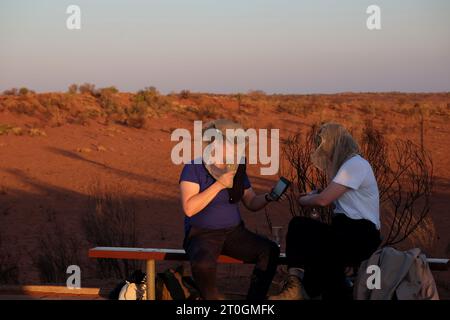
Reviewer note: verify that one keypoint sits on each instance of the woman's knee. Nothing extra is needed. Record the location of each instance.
(201, 257)
(203, 265)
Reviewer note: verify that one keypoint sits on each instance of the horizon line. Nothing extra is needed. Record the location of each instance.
(247, 92)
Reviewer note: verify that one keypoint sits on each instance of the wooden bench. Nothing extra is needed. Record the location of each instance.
(153, 254)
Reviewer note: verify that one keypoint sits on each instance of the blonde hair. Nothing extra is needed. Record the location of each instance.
(334, 145)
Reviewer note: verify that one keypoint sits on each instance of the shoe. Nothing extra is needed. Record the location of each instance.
(292, 290)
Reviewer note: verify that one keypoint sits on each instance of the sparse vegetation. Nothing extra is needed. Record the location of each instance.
(206, 111)
(112, 106)
(18, 131)
(109, 102)
(57, 249)
(147, 103)
(9, 265)
(5, 128)
(11, 92)
(73, 89)
(110, 220)
(185, 94)
(111, 90)
(24, 91)
(36, 132)
(87, 88)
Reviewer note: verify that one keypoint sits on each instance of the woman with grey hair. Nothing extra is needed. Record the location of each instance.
(211, 191)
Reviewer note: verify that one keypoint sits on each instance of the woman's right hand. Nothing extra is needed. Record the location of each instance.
(226, 180)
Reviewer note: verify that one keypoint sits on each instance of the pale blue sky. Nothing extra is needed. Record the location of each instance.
(314, 46)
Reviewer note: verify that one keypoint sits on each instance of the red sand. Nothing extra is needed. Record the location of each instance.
(45, 175)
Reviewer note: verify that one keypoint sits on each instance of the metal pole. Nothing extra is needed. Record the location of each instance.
(151, 275)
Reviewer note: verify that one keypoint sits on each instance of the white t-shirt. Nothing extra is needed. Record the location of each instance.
(362, 201)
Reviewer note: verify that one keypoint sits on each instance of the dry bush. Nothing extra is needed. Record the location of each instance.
(9, 266)
(28, 106)
(36, 132)
(108, 100)
(87, 88)
(404, 172)
(136, 119)
(110, 221)
(57, 249)
(368, 110)
(18, 131)
(146, 103)
(56, 108)
(5, 129)
(83, 117)
(297, 166)
(423, 236)
(53, 102)
(184, 94)
(110, 89)
(207, 111)
(72, 89)
(25, 91)
(407, 194)
(11, 92)
(256, 94)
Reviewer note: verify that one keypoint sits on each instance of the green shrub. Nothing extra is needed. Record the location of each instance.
(24, 91)
(146, 103)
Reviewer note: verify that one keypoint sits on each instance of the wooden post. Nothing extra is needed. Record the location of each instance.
(151, 277)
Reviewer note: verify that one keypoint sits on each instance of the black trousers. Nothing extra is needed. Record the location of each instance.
(324, 251)
(204, 246)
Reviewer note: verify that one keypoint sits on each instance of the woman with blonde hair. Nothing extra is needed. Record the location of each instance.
(318, 253)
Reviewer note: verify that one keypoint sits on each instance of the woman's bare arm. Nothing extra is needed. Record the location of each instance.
(193, 201)
(332, 192)
(252, 201)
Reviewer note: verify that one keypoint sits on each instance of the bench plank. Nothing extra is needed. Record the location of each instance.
(148, 254)
(180, 255)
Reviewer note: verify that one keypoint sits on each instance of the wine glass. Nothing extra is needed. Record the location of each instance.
(276, 235)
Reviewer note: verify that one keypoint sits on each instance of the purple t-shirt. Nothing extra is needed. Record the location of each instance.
(219, 213)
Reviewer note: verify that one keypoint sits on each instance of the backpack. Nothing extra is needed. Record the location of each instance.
(170, 285)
